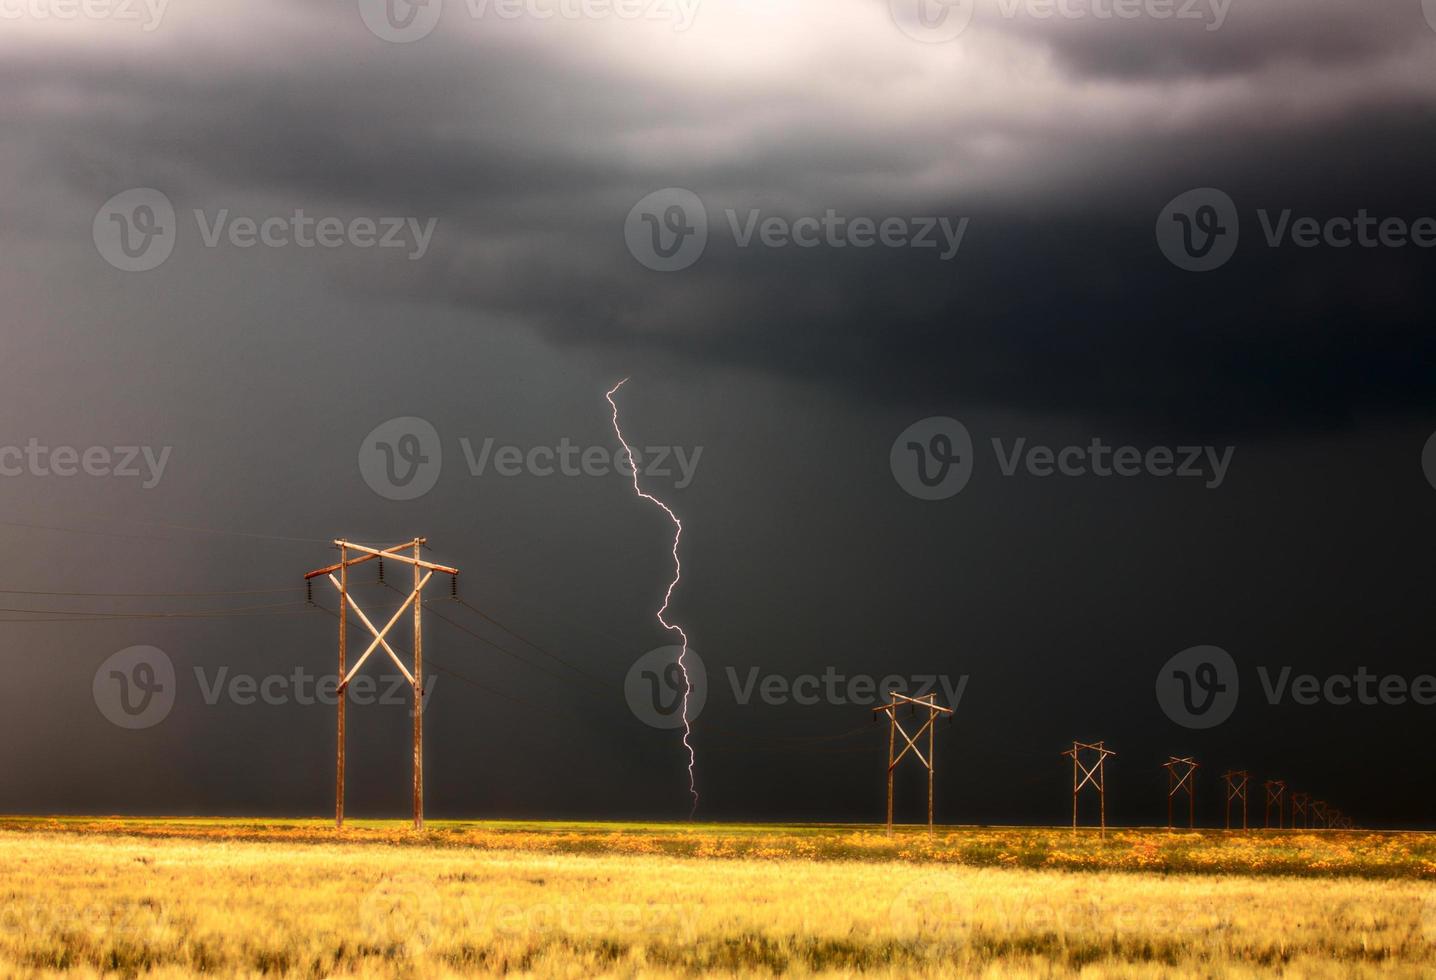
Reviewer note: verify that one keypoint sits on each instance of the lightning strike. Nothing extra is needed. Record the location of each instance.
(668, 596)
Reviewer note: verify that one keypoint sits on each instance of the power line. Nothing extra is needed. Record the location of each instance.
(193, 529)
(149, 615)
(448, 670)
(523, 639)
(44, 616)
(149, 595)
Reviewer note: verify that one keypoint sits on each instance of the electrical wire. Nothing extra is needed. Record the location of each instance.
(149, 595)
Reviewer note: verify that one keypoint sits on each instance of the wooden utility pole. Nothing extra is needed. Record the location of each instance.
(1275, 797)
(1318, 810)
(423, 572)
(1094, 774)
(1301, 806)
(342, 701)
(419, 685)
(1237, 780)
(926, 702)
(1182, 777)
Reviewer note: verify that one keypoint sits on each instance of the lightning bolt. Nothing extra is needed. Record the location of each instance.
(668, 596)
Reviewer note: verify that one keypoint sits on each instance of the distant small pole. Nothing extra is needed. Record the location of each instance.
(1182, 777)
(1275, 797)
(1236, 790)
(934, 710)
(1318, 809)
(1301, 807)
(1093, 774)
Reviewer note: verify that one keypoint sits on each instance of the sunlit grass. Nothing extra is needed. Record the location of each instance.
(288, 899)
(1258, 852)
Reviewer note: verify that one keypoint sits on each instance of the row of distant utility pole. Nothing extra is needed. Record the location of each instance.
(1089, 769)
(1182, 778)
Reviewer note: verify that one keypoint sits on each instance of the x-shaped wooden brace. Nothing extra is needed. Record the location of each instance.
(909, 739)
(1236, 785)
(379, 635)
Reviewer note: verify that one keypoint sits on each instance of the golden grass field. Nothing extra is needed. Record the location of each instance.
(245, 898)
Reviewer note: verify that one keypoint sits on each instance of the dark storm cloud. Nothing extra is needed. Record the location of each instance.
(531, 152)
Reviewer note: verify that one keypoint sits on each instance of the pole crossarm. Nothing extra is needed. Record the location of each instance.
(369, 554)
(920, 702)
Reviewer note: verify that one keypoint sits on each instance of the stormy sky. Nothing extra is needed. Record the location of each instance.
(507, 153)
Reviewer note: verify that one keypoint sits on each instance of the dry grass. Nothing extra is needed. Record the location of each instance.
(179, 904)
(1368, 854)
